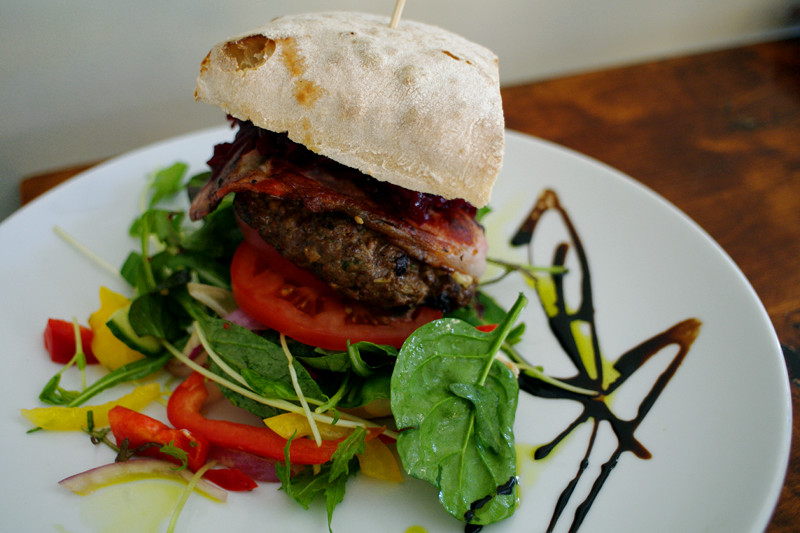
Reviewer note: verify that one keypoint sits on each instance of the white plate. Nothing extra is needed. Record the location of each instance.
(719, 434)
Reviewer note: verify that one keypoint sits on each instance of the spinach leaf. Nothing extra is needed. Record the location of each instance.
(361, 391)
(326, 360)
(364, 358)
(484, 402)
(361, 374)
(160, 314)
(208, 269)
(218, 236)
(262, 363)
(368, 359)
(455, 405)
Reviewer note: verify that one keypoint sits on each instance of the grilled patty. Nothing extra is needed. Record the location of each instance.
(355, 261)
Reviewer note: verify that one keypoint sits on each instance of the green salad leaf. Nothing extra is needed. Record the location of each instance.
(260, 362)
(133, 371)
(354, 377)
(485, 310)
(363, 358)
(173, 253)
(455, 403)
(167, 182)
(331, 478)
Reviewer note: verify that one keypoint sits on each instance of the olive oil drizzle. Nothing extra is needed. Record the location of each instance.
(592, 371)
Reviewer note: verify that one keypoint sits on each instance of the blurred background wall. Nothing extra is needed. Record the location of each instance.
(82, 80)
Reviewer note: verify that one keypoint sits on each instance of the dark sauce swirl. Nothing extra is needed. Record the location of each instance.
(595, 409)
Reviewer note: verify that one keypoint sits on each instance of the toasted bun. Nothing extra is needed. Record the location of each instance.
(414, 105)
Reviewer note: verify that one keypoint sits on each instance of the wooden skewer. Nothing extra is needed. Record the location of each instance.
(398, 10)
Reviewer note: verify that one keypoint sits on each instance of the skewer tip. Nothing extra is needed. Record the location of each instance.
(398, 11)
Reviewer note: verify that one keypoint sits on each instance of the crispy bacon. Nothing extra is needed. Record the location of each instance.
(446, 238)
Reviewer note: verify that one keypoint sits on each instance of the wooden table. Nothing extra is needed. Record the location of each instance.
(716, 134)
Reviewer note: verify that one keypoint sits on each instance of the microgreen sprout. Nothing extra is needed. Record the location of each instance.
(299, 391)
(84, 250)
(98, 435)
(246, 391)
(52, 392)
(529, 272)
(186, 493)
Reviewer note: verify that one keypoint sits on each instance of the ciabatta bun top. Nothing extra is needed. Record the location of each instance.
(414, 105)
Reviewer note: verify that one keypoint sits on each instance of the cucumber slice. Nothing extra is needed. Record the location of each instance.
(120, 326)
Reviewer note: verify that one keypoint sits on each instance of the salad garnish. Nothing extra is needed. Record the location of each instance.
(452, 386)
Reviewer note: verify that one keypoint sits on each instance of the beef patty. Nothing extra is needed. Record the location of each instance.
(355, 261)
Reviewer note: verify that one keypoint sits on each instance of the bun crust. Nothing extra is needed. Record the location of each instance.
(415, 105)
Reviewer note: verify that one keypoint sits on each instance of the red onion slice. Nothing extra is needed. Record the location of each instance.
(124, 471)
(241, 318)
(255, 467)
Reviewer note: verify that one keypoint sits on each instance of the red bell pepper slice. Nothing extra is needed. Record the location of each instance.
(231, 479)
(59, 340)
(184, 411)
(140, 429)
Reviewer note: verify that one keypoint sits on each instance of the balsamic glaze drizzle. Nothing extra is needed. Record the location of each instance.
(502, 490)
(595, 408)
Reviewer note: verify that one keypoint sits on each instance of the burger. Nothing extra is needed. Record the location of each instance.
(361, 157)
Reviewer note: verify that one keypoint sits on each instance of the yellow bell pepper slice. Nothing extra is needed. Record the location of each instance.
(379, 462)
(288, 424)
(61, 418)
(107, 348)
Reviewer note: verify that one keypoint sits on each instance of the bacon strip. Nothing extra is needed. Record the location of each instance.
(455, 242)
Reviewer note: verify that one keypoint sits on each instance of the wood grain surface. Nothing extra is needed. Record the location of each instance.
(716, 134)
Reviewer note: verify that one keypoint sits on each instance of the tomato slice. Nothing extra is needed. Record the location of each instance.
(288, 299)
